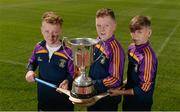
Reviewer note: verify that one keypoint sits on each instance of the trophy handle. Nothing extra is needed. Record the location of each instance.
(64, 41)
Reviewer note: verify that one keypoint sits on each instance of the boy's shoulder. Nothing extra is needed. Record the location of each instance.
(148, 51)
(132, 52)
(41, 43)
(115, 44)
(66, 50)
(40, 46)
(139, 53)
(131, 46)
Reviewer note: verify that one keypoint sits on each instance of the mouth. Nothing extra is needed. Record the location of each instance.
(103, 34)
(133, 39)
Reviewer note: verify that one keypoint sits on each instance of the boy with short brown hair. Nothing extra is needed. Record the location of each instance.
(142, 68)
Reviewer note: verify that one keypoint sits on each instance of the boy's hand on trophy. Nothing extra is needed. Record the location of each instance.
(64, 84)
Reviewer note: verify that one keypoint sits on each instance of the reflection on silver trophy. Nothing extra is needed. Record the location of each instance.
(82, 50)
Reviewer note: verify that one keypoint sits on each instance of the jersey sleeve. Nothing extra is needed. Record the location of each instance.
(70, 68)
(147, 69)
(116, 67)
(32, 64)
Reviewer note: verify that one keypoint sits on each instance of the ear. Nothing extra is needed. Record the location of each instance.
(41, 28)
(115, 25)
(150, 32)
(131, 34)
(61, 31)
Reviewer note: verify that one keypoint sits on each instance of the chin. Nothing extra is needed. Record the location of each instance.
(104, 38)
(50, 43)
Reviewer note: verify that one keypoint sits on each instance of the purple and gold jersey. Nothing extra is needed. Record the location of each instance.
(54, 70)
(142, 68)
(107, 71)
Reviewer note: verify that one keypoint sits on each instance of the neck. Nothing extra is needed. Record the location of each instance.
(140, 43)
(58, 43)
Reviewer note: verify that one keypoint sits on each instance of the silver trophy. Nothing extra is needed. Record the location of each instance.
(82, 50)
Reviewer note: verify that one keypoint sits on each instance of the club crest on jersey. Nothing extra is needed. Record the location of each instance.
(62, 63)
(39, 59)
(103, 59)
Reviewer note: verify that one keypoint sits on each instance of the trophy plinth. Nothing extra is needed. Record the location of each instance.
(83, 87)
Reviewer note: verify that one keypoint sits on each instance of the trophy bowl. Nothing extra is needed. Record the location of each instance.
(82, 50)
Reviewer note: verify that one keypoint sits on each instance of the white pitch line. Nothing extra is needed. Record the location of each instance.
(167, 39)
(13, 62)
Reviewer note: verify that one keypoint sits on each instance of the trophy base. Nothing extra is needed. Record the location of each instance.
(82, 96)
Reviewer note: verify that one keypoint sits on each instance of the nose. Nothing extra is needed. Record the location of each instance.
(102, 29)
(51, 34)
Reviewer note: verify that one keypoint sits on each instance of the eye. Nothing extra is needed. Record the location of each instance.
(55, 33)
(139, 31)
(98, 25)
(46, 31)
(107, 25)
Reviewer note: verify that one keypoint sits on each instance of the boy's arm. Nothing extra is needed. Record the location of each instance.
(116, 68)
(147, 74)
(70, 67)
(117, 92)
(32, 64)
(31, 67)
(121, 90)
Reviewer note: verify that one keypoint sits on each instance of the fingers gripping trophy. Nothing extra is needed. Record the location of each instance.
(83, 92)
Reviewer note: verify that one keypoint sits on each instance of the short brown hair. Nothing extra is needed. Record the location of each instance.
(52, 18)
(138, 22)
(105, 12)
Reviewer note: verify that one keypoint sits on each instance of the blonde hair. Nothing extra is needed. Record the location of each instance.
(105, 12)
(52, 18)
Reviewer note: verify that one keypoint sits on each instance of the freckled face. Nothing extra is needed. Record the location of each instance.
(105, 27)
(50, 32)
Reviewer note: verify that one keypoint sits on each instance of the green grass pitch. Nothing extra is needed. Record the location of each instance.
(20, 31)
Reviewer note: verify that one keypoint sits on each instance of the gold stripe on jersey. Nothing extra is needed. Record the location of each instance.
(42, 51)
(116, 59)
(134, 56)
(101, 49)
(60, 54)
(147, 69)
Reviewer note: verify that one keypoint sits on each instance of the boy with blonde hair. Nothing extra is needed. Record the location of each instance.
(54, 66)
(107, 71)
